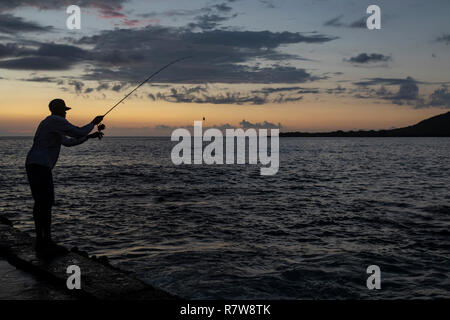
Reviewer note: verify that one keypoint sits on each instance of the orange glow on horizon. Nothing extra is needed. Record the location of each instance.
(22, 113)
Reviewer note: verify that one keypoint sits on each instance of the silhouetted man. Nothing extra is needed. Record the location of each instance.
(52, 132)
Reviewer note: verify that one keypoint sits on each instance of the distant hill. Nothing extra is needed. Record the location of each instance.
(438, 126)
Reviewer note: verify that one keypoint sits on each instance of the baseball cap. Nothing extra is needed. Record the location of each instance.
(57, 105)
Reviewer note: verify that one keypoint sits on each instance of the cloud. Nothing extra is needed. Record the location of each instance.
(409, 95)
(47, 56)
(223, 7)
(61, 51)
(264, 125)
(37, 63)
(406, 94)
(268, 90)
(118, 86)
(206, 18)
(255, 39)
(13, 25)
(233, 98)
(10, 50)
(107, 8)
(364, 58)
(282, 98)
(188, 95)
(285, 94)
(209, 21)
(306, 91)
(201, 95)
(172, 13)
(440, 98)
(386, 81)
(337, 22)
(268, 3)
(334, 22)
(220, 8)
(78, 85)
(360, 23)
(284, 90)
(218, 55)
(41, 79)
(129, 55)
(102, 86)
(337, 90)
(444, 38)
(407, 91)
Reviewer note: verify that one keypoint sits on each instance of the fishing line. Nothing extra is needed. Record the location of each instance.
(101, 127)
(154, 74)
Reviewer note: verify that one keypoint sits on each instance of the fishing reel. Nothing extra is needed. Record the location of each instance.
(100, 128)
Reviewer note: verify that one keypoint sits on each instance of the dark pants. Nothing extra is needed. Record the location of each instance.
(41, 182)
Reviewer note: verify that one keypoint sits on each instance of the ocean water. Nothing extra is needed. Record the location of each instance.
(336, 206)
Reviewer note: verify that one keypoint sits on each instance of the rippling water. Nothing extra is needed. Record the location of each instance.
(336, 206)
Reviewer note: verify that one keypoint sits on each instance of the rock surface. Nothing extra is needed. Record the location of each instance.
(98, 279)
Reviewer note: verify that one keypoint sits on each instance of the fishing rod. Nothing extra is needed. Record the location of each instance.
(101, 127)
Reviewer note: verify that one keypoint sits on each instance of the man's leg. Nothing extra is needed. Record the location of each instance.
(41, 183)
(37, 223)
(47, 211)
(47, 223)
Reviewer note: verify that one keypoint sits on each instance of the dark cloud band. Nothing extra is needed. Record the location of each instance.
(365, 58)
(12, 25)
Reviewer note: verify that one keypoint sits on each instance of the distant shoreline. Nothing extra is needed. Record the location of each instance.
(437, 126)
(352, 135)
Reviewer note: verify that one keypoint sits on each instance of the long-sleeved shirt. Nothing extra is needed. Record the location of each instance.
(51, 133)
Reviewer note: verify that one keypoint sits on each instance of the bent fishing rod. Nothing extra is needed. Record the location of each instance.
(101, 127)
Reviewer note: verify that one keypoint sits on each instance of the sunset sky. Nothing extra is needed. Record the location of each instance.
(304, 65)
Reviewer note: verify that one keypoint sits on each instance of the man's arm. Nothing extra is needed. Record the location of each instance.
(70, 142)
(67, 129)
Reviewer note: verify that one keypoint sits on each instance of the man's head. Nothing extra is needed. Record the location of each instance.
(58, 107)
